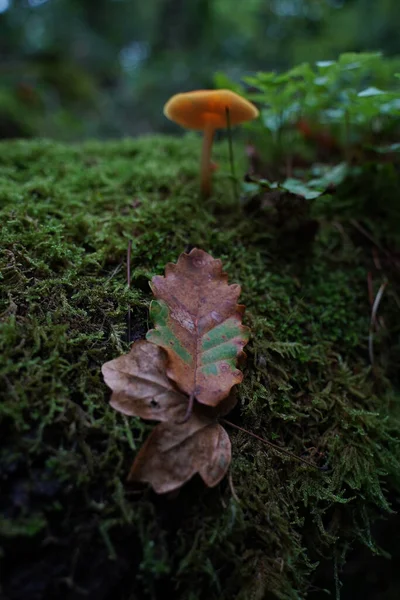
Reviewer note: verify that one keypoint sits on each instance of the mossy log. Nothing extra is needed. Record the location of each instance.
(70, 526)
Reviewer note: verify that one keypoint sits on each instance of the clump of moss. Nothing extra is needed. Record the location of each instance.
(70, 525)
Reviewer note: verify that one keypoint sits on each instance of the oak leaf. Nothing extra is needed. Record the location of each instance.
(175, 450)
(198, 323)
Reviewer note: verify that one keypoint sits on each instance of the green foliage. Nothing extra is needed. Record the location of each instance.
(103, 68)
(67, 213)
(340, 95)
(328, 128)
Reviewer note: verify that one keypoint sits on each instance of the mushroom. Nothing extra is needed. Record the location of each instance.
(208, 110)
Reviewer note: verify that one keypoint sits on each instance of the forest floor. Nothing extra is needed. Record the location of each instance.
(320, 380)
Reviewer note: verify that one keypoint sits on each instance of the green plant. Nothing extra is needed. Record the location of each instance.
(330, 127)
(332, 110)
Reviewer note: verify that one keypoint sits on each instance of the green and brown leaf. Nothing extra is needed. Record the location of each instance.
(198, 323)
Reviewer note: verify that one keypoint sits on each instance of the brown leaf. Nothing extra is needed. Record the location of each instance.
(140, 385)
(198, 323)
(174, 452)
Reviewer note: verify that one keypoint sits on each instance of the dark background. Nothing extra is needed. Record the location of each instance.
(73, 69)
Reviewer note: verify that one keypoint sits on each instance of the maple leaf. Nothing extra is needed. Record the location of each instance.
(198, 323)
(174, 451)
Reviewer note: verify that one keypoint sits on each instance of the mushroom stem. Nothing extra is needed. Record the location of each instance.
(205, 166)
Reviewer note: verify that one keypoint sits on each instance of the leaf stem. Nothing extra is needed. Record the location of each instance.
(231, 160)
(189, 411)
(128, 280)
(205, 168)
(374, 311)
(347, 135)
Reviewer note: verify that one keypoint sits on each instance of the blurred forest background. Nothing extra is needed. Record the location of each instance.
(73, 69)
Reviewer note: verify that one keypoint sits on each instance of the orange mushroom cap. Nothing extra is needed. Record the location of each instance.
(197, 110)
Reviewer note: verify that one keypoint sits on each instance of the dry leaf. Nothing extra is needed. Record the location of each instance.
(174, 451)
(140, 385)
(198, 323)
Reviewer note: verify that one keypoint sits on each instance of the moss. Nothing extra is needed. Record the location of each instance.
(70, 524)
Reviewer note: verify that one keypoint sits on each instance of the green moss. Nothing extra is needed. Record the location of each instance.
(67, 213)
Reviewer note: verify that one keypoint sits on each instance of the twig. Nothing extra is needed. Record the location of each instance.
(375, 255)
(113, 274)
(340, 228)
(374, 311)
(232, 163)
(362, 230)
(347, 135)
(128, 279)
(275, 446)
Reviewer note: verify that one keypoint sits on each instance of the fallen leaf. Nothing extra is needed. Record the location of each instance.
(198, 322)
(140, 385)
(174, 451)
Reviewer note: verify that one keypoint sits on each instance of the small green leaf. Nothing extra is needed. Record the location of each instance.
(295, 186)
(331, 176)
(386, 149)
(251, 188)
(198, 323)
(323, 64)
(371, 91)
(222, 81)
